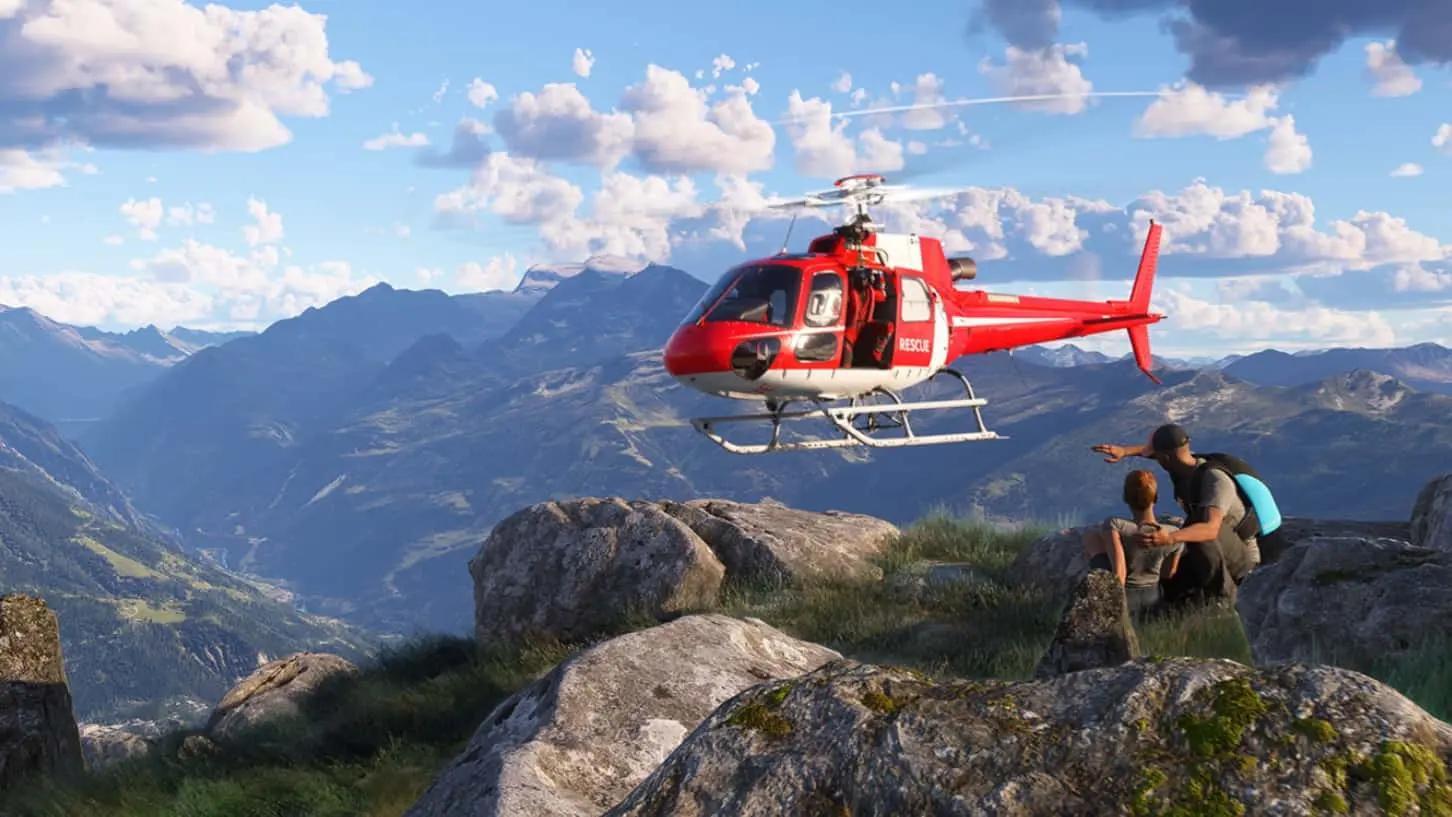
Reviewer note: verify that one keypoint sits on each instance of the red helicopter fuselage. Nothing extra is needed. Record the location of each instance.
(872, 311)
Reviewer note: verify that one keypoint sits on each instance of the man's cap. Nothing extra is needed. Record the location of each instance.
(1168, 437)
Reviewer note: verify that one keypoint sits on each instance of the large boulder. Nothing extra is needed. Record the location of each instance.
(1176, 736)
(106, 745)
(38, 732)
(771, 542)
(1094, 631)
(576, 741)
(276, 690)
(1346, 599)
(1432, 515)
(573, 568)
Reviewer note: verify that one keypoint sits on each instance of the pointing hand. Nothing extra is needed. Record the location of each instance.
(1115, 452)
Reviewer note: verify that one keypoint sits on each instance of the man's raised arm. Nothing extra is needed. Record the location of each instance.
(1115, 453)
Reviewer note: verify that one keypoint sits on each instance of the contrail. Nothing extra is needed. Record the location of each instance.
(986, 100)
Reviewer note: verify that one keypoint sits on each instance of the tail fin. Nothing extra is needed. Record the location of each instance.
(1139, 300)
(1139, 342)
(1144, 278)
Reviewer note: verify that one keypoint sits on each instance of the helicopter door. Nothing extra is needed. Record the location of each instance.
(820, 339)
(914, 345)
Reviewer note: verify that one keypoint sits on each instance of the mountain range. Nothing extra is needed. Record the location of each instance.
(147, 630)
(356, 454)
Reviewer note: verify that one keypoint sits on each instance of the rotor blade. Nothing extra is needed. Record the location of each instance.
(987, 100)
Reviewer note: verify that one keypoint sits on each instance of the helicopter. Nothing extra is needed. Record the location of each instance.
(864, 315)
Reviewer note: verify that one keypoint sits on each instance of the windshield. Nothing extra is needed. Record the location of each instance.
(754, 293)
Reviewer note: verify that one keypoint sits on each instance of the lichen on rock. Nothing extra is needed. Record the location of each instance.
(1094, 631)
(38, 732)
(1172, 737)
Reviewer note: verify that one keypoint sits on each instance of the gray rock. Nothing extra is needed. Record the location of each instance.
(1206, 736)
(274, 691)
(571, 569)
(1094, 631)
(1346, 600)
(772, 542)
(104, 745)
(38, 732)
(579, 739)
(1432, 515)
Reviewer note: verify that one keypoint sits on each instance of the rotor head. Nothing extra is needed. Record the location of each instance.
(864, 190)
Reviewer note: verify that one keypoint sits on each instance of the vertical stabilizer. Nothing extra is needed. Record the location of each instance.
(1144, 278)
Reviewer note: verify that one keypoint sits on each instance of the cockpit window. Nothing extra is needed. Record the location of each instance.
(824, 302)
(753, 293)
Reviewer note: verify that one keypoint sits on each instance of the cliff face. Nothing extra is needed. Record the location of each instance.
(38, 734)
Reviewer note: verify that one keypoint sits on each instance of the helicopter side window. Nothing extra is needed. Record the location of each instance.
(824, 304)
(917, 307)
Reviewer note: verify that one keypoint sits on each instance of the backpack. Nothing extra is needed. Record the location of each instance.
(1262, 516)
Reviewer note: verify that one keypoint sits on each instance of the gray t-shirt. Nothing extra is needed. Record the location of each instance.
(1220, 493)
(1141, 565)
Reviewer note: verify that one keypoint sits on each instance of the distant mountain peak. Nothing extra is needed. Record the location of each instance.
(541, 278)
(1363, 389)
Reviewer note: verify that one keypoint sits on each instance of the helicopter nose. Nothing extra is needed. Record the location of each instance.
(687, 352)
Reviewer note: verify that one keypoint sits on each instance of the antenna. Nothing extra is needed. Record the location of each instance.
(788, 238)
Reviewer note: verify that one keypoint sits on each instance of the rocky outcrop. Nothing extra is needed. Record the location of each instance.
(1346, 599)
(572, 569)
(1095, 630)
(275, 690)
(1432, 515)
(774, 543)
(103, 745)
(579, 739)
(38, 733)
(1208, 737)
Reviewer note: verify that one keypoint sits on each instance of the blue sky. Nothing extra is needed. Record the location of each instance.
(85, 242)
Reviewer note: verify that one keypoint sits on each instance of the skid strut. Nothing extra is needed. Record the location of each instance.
(842, 419)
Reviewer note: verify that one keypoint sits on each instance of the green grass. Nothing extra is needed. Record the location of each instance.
(369, 744)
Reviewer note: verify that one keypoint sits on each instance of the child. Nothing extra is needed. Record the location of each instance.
(1114, 547)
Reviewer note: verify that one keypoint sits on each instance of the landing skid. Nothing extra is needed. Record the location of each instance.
(857, 422)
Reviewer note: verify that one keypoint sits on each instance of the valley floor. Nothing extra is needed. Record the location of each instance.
(369, 744)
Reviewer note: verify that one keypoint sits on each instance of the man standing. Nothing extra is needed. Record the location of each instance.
(1217, 556)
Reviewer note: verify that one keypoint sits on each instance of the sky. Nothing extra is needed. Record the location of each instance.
(228, 165)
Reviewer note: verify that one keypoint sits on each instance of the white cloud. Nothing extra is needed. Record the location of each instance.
(559, 123)
(499, 272)
(1261, 321)
(582, 63)
(195, 284)
(1407, 169)
(33, 170)
(1392, 76)
(721, 65)
(823, 148)
(442, 91)
(916, 148)
(1417, 278)
(481, 93)
(1442, 139)
(1288, 150)
(1188, 109)
(843, 83)
(927, 90)
(165, 74)
(267, 228)
(144, 215)
(676, 131)
(186, 215)
(395, 139)
(1042, 71)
